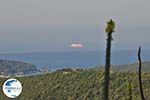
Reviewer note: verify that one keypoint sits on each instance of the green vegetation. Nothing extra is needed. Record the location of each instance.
(72, 84)
(15, 67)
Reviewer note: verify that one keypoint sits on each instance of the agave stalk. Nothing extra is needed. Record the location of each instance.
(139, 73)
(109, 30)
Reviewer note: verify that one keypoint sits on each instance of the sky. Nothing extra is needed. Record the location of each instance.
(53, 25)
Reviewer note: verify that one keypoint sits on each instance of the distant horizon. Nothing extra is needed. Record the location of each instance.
(77, 58)
(120, 49)
(39, 26)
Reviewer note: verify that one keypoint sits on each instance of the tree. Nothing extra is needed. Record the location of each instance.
(109, 30)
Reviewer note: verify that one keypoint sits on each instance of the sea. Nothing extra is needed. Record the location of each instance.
(75, 59)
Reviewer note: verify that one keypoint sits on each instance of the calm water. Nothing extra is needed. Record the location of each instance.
(58, 60)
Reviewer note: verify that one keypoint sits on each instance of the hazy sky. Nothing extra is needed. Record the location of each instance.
(52, 25)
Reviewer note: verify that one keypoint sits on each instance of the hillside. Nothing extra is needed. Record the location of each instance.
(132, 67)
(76, 84)
(8, 67)
(128, 67)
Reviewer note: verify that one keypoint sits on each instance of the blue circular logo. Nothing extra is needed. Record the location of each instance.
(12, 88)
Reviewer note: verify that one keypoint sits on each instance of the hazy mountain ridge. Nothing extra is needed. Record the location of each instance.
(133, 67)
(128, 67)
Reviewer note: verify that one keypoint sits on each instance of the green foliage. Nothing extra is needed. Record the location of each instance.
(79, 85)
(129, 87)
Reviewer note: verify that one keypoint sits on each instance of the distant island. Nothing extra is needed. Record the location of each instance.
(8, 67)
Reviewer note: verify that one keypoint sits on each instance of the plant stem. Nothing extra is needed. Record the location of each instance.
(140, 80)
(107, 68)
